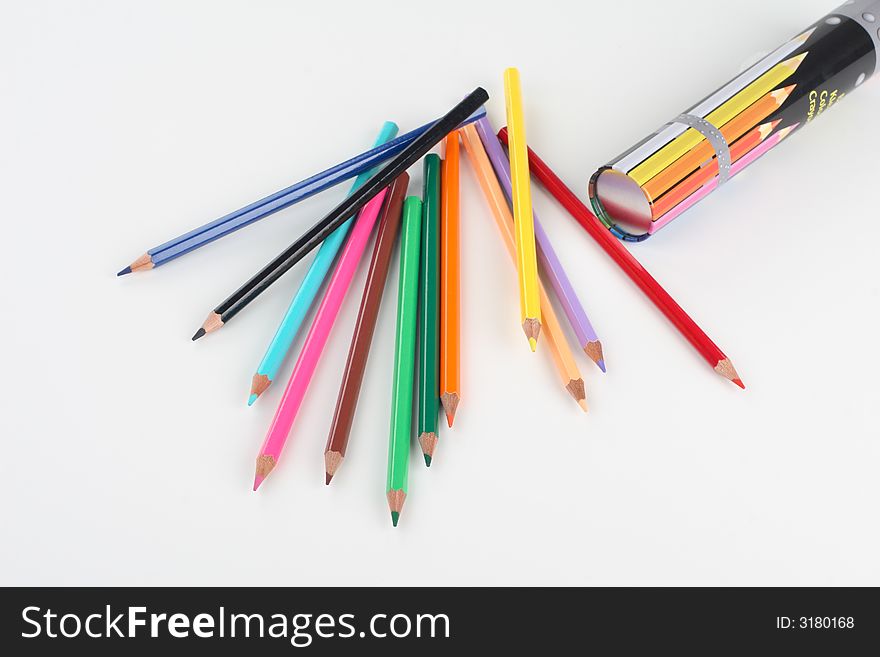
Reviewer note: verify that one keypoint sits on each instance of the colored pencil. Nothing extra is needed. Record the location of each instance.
(692, 183)
(632, 267)
(526, 257)
(316, 340)
(719, 117)
(198, 237)
(735, 129)
(364, 327)
(450, 280)
(706, 189)
(261, 281)
(645, 148)
(308, 290)
(404, 359)
(429, 307)
(562, 357)
(550, 265)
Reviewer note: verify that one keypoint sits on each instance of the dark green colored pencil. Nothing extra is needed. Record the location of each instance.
(429, 306)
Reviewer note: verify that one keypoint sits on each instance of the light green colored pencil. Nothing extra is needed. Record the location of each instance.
(404, 358)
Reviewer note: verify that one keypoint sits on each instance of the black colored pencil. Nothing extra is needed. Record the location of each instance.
(349, 207)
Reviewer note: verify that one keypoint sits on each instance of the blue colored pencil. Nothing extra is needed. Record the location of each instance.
(257, 210)
(308, 289)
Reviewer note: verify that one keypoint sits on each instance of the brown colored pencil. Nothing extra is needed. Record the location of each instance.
(359, 351)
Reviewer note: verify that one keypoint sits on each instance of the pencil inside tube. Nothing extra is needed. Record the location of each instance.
(563, 359)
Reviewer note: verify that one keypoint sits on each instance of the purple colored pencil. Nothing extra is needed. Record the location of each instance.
(547, 258)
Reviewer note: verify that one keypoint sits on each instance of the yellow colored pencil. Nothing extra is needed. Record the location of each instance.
(560, 352)
(719, 117)
(524, 228)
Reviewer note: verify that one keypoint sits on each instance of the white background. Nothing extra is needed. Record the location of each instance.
(128, 451)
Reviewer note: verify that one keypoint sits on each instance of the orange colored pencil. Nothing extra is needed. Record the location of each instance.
(736, 128)
(696, 180)
(450, 279)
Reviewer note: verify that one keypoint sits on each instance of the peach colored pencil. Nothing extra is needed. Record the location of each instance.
(560, 352)
(316, 339)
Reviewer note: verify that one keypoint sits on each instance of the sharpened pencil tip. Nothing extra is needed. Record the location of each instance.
(395, 517)
(450, 418)
(252, 399)
(198, 334)
(583, 404)
(428, 460)
(601, 364)
(257, 481)
(123, 272)
(327, 478)
(740, 383)
(533, 344)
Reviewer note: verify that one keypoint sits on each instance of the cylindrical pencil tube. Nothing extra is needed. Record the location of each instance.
(404, 359)
(653, 182)
(429, 306)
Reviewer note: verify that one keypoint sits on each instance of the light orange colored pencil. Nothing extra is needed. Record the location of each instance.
(561, 353)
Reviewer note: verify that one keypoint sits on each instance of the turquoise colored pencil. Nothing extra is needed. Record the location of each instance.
(308, 289)
(404, 359)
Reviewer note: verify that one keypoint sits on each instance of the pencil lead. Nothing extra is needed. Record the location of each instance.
(428, 441)
(265, 465)
(327, 478)
(449, 401)
(332, 461)
(123, 272)
(258, 386)
(395, 516)
(725, 368)
(532, 328)
(593, 350)
(211, 324)
(583, 404)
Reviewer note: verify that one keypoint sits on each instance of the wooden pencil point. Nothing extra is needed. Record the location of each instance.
(593, 350)
(259, 384)
(532, 328)
(144, 263)
(725, 368)
(450, 401)
(265, 465)
(577, 390)
(428, 441)
(332, 461)
(396, 498)
(210, 325)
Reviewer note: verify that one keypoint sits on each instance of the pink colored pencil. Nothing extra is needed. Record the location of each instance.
(741, 164)
(316, 339)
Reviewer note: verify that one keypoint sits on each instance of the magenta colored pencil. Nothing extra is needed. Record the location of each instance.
(549, 261)
(317, 339)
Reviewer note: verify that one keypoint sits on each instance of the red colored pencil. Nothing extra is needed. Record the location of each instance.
(633, 268)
